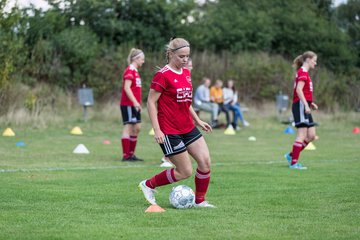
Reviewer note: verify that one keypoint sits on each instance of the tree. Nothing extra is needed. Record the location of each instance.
(234, 26)
(11, 46)
(277, 26)
(146, 24)
(348, 17)
(78, 48)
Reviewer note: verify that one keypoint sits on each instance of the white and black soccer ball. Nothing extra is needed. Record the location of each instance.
(182, 197)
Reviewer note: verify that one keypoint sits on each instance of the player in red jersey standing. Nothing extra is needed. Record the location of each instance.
(130, 104)
(172, 117)
(302, 106)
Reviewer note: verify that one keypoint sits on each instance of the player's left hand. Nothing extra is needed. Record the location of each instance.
(314, 106)
(205, 126)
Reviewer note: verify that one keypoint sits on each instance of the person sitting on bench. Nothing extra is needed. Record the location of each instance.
(202, 101)
(216, 96)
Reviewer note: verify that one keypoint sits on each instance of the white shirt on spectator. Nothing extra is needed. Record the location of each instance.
(202, 94)
(230, 97)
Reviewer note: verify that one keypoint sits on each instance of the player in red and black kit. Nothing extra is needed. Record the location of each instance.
(302, 106)
(130, 105)
(172, 118)
(166, 160)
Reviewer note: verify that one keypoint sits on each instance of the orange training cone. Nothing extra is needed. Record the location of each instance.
(154, 208)
(356, 130)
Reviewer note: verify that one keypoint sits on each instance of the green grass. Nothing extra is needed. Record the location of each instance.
(47, 192)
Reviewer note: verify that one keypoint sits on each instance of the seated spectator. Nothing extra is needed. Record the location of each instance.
(231, 103)
(202, 101)
(216, 96)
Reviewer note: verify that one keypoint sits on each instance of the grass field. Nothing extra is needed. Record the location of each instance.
(47, 192)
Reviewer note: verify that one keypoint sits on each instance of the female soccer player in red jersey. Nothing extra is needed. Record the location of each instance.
(302, 106)
(130, 104)
(172, 117)
(166, 160)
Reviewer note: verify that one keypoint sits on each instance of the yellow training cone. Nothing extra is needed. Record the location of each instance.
(8, 133)
(152, 133)
(229, 130)
(310, 146)
(76, 131)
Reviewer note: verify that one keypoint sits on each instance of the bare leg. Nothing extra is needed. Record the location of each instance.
(183, 165)
(200, 152)
(311, 134)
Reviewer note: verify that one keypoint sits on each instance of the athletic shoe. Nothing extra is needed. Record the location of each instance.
(149, 193)
(204, 204)
(166, 163)
(297, 166)
(128, 159)
(246, 124)
(214, 124)
(288, 157)
(135, 158)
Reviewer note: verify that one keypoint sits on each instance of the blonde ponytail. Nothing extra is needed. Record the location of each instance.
(299, 60)
(134, 53)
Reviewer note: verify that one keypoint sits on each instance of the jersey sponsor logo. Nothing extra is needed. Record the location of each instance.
(184, 94)
(175, 80)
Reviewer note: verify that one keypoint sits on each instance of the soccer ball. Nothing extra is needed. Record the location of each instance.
(182, 197)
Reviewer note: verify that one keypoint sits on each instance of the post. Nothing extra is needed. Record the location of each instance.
(282, 102)
(85, 99)
(85, 113)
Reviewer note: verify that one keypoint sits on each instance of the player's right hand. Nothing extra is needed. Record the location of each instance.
(159, 136)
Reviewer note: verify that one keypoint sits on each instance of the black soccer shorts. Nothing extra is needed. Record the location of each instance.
(302, 119)
(177, 143)
(130, 115)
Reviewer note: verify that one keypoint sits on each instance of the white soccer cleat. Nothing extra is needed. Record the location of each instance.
(149, 193)
(165, 163)
(204, 204)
